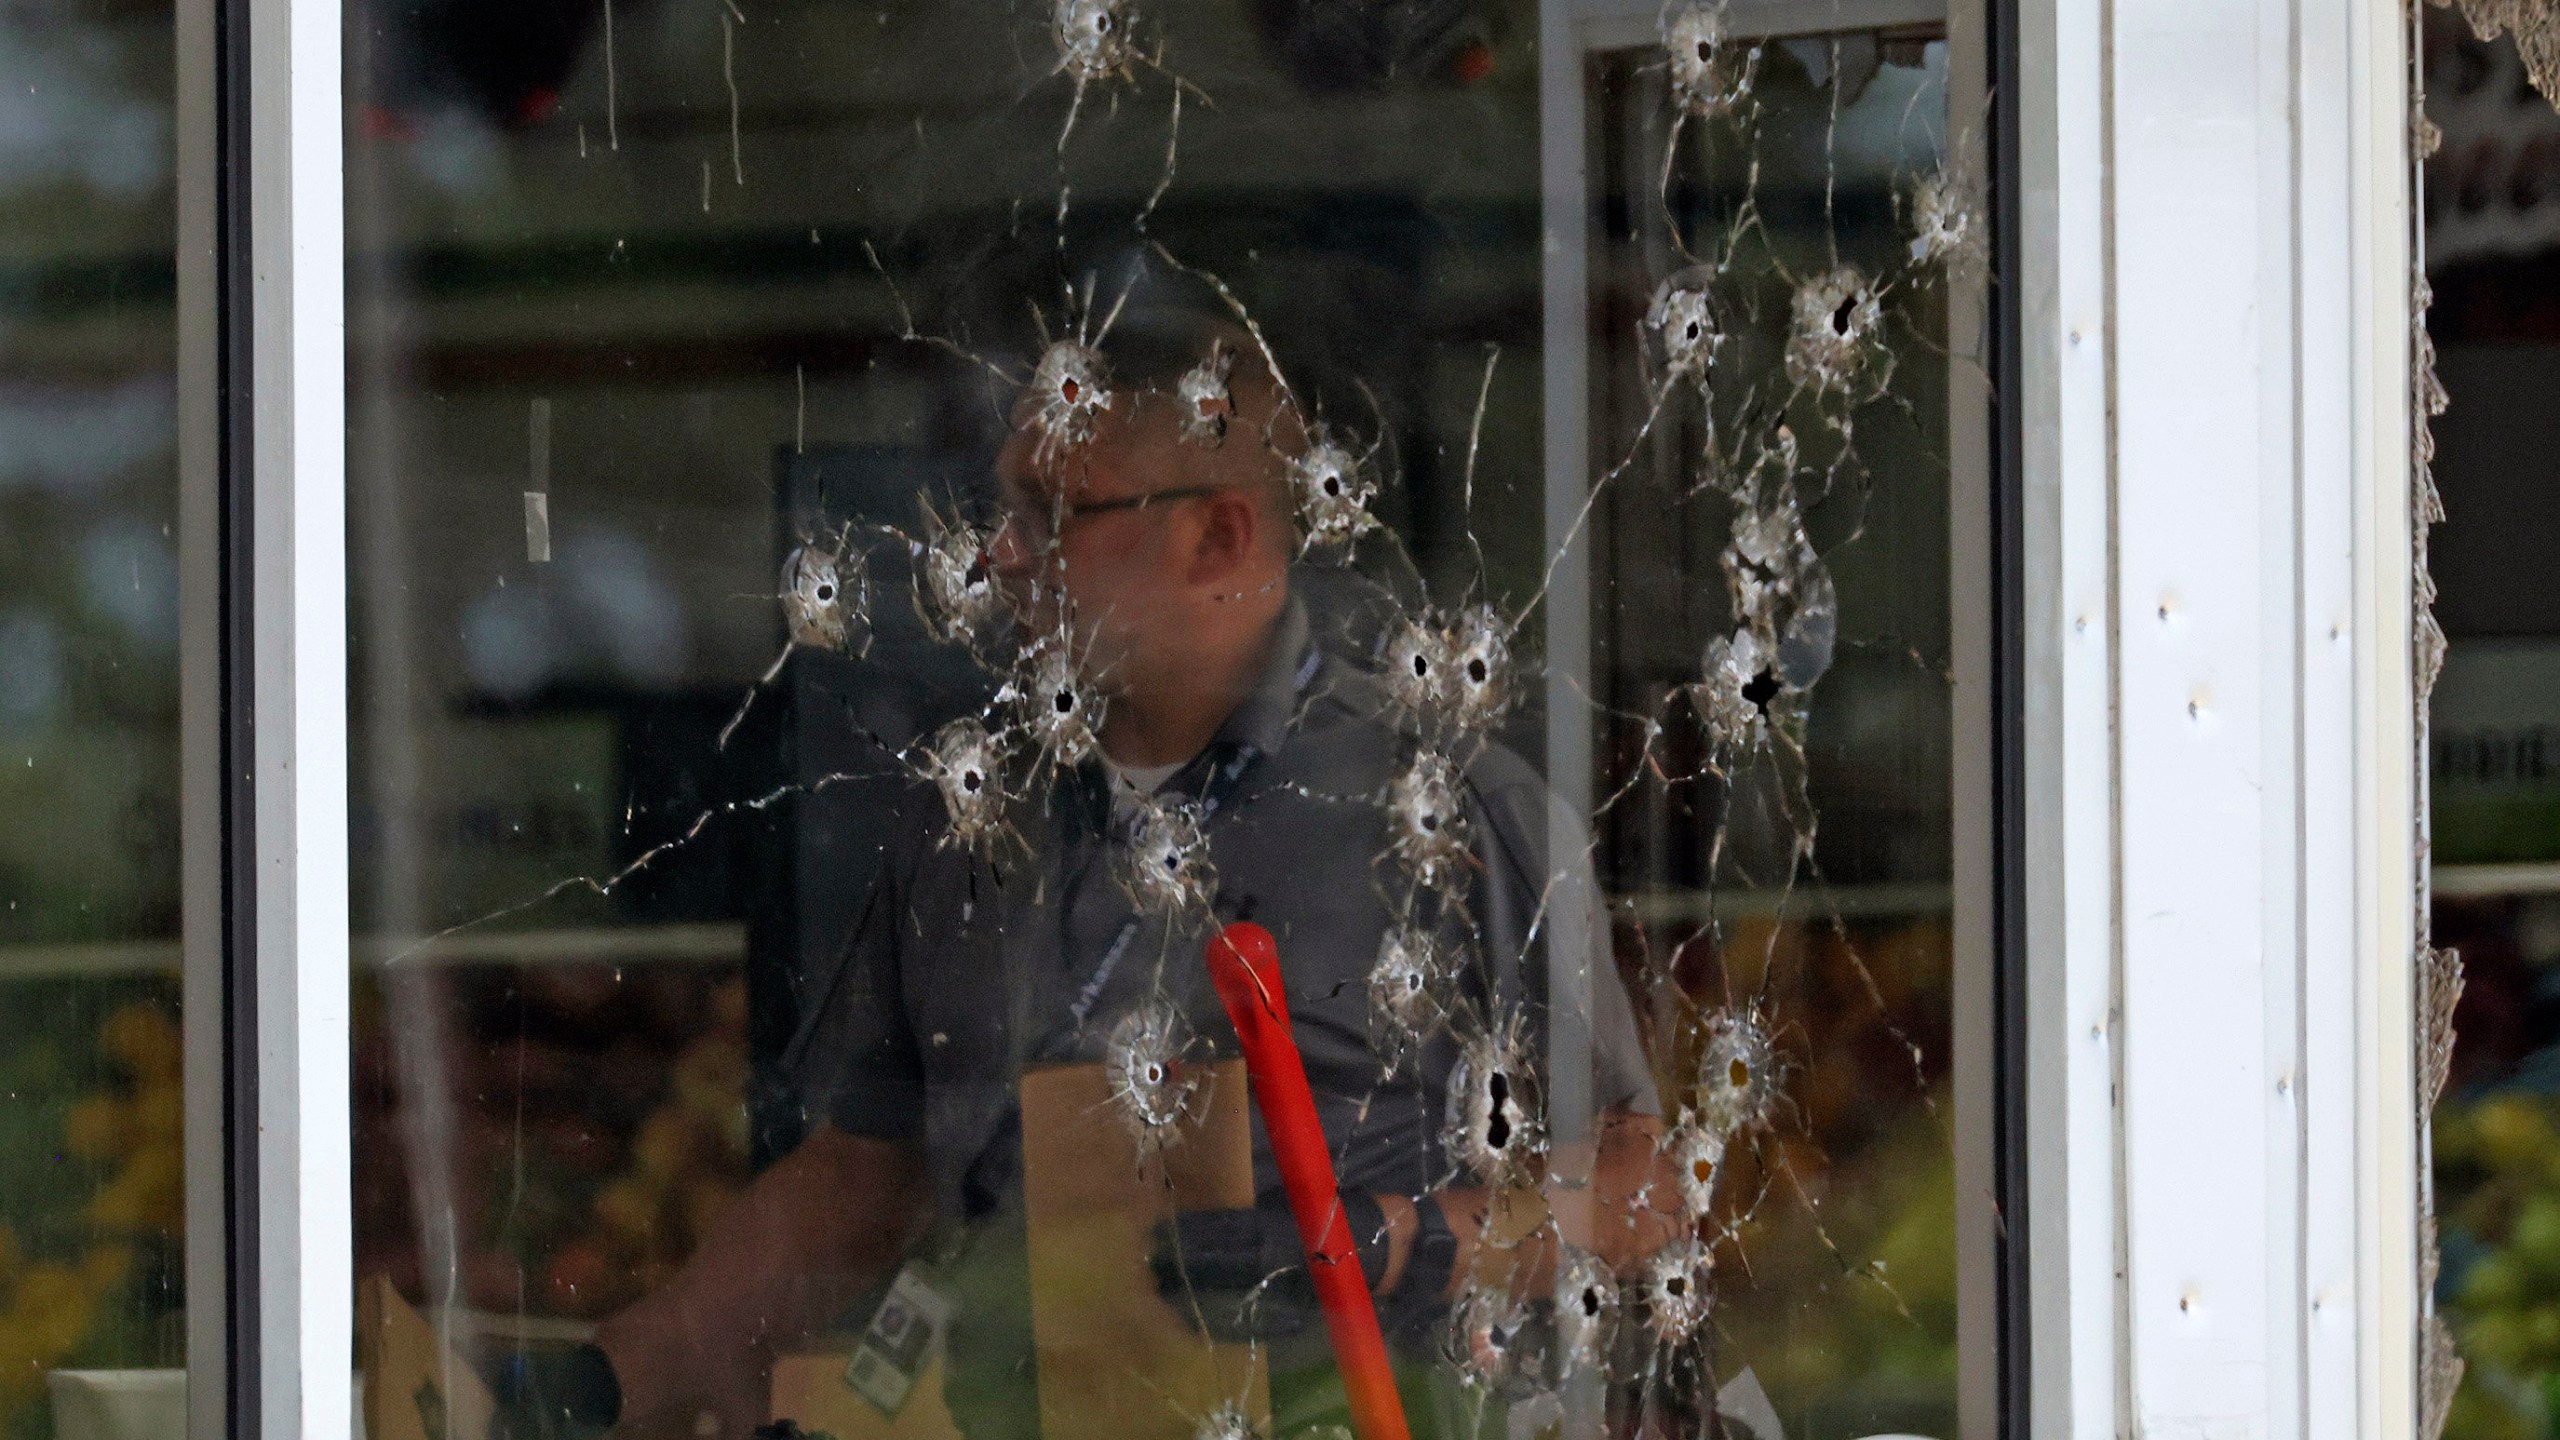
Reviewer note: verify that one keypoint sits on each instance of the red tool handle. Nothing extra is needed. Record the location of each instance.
(1244, 964)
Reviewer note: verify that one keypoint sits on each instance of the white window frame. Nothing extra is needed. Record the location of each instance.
(263, 718)
(2213, 267)
(2215, 856)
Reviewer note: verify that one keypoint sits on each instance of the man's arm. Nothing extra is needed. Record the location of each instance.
(1531, 897)
(1621, 1232)
(804, 1241)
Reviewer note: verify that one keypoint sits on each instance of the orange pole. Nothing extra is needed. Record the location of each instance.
(1244, 963)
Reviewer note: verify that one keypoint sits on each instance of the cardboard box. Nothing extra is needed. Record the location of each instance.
(1116, 1361)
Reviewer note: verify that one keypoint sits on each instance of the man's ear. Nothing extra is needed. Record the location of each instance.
(1230, 528)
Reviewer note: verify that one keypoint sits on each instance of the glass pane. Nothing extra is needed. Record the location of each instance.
(1780, 844)
(91, 1203)
(879, 533)
(2494, 791)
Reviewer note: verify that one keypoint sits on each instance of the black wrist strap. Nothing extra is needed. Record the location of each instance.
(553, 1394)
(590, 1393)
(1366, 1220)
(1412, 1313)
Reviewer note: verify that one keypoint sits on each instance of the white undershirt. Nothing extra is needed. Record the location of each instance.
(1143, 779)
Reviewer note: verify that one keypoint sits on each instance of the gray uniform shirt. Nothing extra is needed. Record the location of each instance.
(964, 970)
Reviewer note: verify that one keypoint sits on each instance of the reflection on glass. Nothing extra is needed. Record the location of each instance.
(91, 1199)
(880, 534)
(1784, 225)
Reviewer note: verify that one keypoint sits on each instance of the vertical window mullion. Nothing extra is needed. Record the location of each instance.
(263, 574)
(295, 678)
(221, 1394)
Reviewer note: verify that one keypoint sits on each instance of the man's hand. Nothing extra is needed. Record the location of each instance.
(1247, 1269)
(814, 1231)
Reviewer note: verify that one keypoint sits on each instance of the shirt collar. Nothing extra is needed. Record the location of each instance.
(1258, 726)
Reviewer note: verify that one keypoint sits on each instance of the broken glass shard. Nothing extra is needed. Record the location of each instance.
(1674, 1287)
(1143, 1060)
(1416, 658)
(1068, 394)
(826, 598)
(1782, 592)
(1812, 632)
(965, 763)
(1450, 675)
(956, 593)
(1586, 1313)
(1168, 870)
(1696, 1153)
(1765, 552)
(1493, 1334)
(1095, 44)
(1835, 344)
(1682, 321)
(1207, 403)
(1478, 677)
(1054, 703)
(1093, 40)
(1947, 231)
(1408, 994)
(1733, 692)
(1427, 831)
(1334, 488)
(1737, 1074)
(1493, 1128)
(1711, 73)
(1227, 1422)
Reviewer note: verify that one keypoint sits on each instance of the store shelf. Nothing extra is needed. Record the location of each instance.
(2474, 882)
(1805, 902)
(469, 1325)
(73, 962)
(1855, 902)
(705, 943)
(713, 943)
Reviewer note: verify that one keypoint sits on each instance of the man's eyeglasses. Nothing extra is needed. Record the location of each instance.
(1034, 518)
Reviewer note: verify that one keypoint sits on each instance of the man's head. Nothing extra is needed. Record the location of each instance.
(1152, 517)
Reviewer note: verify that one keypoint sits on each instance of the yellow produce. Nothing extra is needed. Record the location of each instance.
(2514, 1132)
(147, 1194)
(629, 1209)
(52, 1309)
(159, 1111)
(666, 1144)
(144, 1040)
(117, 1212)
(704, 1199)
(2498, 1158)
(98, 1127)
(107, 1266)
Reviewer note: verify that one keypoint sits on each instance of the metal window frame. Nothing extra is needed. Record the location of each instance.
(263, 717)
(2008, 1392)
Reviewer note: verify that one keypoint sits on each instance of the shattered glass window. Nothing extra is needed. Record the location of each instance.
(2489, 656)
(1004, 789)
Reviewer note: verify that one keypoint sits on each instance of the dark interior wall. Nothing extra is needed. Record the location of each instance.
(2498, 464)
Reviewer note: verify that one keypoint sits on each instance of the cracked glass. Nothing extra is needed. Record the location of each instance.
(1028, 762)
(2485, 345)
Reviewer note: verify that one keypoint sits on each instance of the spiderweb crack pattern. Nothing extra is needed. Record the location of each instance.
(1734, 351)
